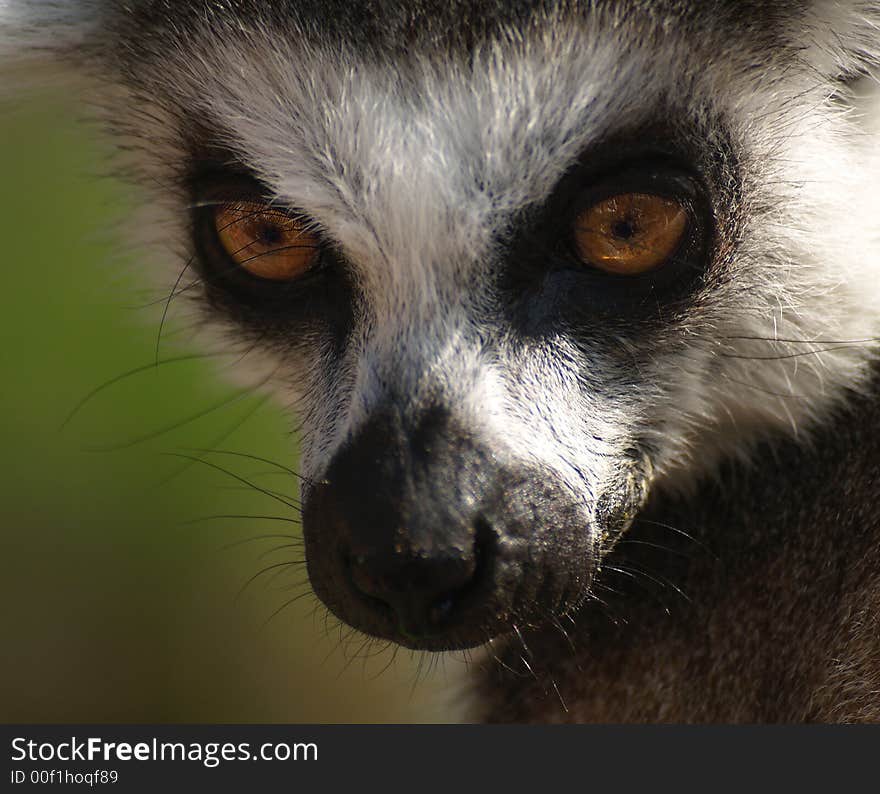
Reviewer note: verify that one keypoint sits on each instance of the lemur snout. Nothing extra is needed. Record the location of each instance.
(418, 534)
(397, 526)
(425, 587)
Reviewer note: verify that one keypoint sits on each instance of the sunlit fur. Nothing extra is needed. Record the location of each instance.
(415, 172)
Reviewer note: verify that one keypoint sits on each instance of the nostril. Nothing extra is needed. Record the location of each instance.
(425, 591)
(479, 582)
(362, 573)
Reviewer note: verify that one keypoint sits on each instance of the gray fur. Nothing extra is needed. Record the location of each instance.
(713, 610)
(421, 137)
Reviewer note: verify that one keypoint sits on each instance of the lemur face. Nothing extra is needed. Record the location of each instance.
(513, 268)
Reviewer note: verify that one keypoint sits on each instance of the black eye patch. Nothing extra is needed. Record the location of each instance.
(286, 281)
(656, 219)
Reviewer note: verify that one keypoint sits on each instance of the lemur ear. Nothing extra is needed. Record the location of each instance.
(40, 39)
(843, 36)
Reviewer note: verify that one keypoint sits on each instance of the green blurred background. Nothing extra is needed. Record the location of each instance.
(121, 599)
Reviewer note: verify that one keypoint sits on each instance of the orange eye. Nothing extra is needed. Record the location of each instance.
(631, 233)
(265, 241)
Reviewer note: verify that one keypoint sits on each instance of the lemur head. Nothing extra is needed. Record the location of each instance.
(514, 265)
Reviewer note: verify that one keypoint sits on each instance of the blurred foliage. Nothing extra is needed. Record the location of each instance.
(121, 598)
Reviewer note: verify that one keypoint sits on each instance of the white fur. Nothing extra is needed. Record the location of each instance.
(413, 177)
(390, 172)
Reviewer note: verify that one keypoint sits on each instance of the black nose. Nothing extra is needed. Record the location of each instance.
(421, 533)
(398, 539)
(425, 588)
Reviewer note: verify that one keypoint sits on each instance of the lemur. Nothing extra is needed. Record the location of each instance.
(578, 303)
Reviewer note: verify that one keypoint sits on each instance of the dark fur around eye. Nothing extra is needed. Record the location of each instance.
(547, 281)
(321, 296)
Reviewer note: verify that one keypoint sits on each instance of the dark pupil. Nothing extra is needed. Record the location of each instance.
(623, 229)
(269, 234)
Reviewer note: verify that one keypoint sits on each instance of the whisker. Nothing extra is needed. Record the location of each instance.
(274, 549)
(625, 541)
(132, 372)
(785, 340)
(235, 476)
(558, 625)
(239, 543)
(387, 667)
(491, 648)
(659, 580)
(171, 297)
(263, 572)
(220, 439)
(683, 534)
(285, 605)
(257, 458)
(243, 517)
(132, 442)
(632, 575)
(785, 356)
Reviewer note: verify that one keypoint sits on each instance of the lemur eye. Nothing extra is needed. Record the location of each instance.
(630, 233)
(265, 241)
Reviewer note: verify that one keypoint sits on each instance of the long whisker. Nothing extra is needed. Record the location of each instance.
(257, 458)
(168, 304)
(136, 371)
(220, 439)
(268, 552)
(240, 543)
(127, 444)
(681, 533)
(632, 575)
(263, 572)
(784, 340)
(286, 604)
(242, 480)
(243, 517)
(785, 356)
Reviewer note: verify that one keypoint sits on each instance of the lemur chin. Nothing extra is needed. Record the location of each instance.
(578, 306)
